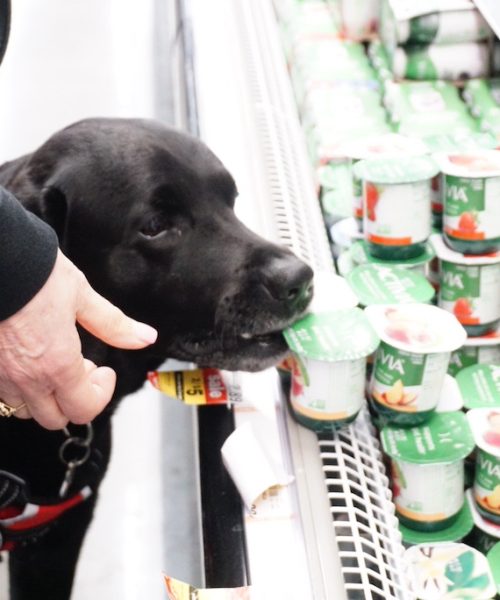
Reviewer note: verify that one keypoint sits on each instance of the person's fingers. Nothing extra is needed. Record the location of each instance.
(109, 323)
(45, 411)
(85, 394)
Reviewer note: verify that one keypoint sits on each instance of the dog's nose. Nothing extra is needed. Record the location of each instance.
(289, 280)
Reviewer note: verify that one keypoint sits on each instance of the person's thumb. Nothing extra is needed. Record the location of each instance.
(109, 323)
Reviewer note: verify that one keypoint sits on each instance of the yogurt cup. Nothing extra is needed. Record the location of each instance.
(384, 284)
(485, 534)
(479, 350)
(449, 570)
(485, 425)
(471, 196)
(432, 452)
(456, 532)
(493, 557)
(388, 145)
(328, 368)
(480, 386)
(412, 359)
(420, 264)
(469, 287)
(442, 61)
(397, 197)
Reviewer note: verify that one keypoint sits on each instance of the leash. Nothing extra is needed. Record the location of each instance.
(20, 519)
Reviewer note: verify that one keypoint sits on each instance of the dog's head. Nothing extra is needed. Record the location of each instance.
(146, 213)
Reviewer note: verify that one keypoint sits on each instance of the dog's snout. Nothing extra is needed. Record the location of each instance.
(289, 280)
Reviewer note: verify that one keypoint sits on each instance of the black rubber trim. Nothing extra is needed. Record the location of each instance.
(222, 512)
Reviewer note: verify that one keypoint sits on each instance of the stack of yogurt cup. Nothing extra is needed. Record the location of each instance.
(468, 251)
(427, 44)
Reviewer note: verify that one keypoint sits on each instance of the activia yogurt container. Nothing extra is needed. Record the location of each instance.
(387, 145)
(386, 284)
(480, 386)
(471, 197)
(432, 452)
(397, 198)
(449, 570)
(328, 367)
(412, 359)
(485, 425)
(469, 287)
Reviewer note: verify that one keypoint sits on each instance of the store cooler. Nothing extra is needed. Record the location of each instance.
(332, 533)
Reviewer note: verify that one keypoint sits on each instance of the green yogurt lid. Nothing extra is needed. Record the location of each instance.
(494, 560)
(480, 386)
(485, 426)
(360, 254)
(418, 328)
(454, 533)
(405, 169)
(384, 284)
(449, 570)
(332, 336)
(444, 438)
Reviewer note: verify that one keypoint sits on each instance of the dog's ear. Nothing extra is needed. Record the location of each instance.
(54, 210)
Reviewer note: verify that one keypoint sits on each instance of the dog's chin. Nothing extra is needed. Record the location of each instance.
(240, 353)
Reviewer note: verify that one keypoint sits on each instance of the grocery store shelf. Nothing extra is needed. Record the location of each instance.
(338, 536)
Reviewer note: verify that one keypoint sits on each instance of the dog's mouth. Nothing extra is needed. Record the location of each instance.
(242, 349)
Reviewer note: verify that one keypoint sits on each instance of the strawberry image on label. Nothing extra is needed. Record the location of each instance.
(467, 222)
(371, 200)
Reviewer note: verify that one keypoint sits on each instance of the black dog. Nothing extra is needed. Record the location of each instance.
(146, 213)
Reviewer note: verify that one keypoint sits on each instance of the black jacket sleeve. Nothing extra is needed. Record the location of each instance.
(28, 249)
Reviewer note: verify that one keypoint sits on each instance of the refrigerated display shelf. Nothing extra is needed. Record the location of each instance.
(247, 114)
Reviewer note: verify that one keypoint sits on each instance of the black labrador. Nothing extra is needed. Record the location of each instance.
(146, 212)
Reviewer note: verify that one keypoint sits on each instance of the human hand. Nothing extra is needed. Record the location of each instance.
(41, 361)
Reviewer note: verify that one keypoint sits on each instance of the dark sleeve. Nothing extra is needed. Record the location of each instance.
(28, 249)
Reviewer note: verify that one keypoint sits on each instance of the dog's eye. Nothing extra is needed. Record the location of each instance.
(154, 226)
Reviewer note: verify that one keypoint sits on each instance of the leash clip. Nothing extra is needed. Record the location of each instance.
(77, 446)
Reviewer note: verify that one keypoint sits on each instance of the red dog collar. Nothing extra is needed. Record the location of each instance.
(19, 523)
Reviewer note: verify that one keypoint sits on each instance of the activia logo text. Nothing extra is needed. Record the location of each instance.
(453, 279)
(456, 192)
(493, 470)
(394, 364)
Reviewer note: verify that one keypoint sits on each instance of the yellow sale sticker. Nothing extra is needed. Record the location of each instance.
(196, 387)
